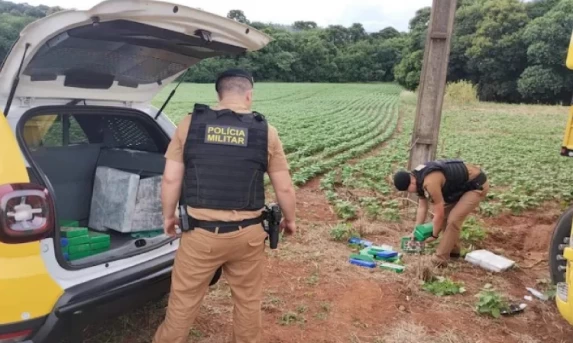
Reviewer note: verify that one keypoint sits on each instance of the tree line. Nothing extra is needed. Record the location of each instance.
(513, 51)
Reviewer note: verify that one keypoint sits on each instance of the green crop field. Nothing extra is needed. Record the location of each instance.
(323, 126)
(348, 139)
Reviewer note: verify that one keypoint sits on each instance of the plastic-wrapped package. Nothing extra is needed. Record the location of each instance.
(124, 202)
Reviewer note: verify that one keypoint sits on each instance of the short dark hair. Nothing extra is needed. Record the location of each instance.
(237, 80)
(233, 84)
(402, 180)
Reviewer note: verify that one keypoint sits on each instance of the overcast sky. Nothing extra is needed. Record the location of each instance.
(373, 14)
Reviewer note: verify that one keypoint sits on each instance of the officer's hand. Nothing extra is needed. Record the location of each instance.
(169, 226)
(430, 239)
(288, 227)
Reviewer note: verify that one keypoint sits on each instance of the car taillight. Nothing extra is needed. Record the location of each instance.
(26, 213)
(14, 337)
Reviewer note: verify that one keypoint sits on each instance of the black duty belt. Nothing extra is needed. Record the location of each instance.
(224, 227)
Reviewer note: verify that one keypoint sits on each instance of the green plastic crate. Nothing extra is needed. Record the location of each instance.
(96, 237)
(79, 255)
(79, 240)
(362, 257)
(74, 249)
(392, 266)
(84, 254)
(391, 259)
(69, 223)
(423, 231)
(99, 246)
(71, 232)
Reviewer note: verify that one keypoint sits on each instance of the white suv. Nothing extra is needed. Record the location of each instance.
(76, 91)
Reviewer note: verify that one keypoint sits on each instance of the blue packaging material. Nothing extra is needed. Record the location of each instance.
(361, 263)
(354, 240)
(66, 256)
(387, 254)
(362, 242)
(63, 242)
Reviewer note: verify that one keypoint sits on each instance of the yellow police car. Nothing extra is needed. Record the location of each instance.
(561, 246)
(75, 92)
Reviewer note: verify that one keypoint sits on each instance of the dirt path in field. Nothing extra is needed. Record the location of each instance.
(312, 294)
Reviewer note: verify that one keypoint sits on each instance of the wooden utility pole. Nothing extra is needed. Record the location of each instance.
(432, 83)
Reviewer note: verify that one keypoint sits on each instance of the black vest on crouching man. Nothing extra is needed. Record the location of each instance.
(225, 157)
(457, 179)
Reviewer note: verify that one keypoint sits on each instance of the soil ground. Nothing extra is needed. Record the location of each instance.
(312, 294)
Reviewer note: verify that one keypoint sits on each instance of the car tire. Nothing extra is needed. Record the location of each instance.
(217, 276)
(560, 232)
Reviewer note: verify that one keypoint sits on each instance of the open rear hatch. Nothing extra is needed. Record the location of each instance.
(118, 51)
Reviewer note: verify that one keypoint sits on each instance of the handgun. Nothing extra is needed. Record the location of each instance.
(273, 216)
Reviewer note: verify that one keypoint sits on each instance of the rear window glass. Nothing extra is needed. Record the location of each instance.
(109, 131)
(48, 131)
(120, 132)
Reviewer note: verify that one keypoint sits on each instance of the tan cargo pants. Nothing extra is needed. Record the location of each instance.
(199, 255)
(455, 216)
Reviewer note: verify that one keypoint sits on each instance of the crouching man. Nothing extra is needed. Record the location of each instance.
(455, 189)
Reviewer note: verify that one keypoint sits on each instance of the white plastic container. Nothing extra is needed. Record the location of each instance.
(124, 202)
(489, 261)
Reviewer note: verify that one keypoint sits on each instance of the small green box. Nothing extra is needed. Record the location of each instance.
(99, 246)
(362, 257)
(96, 237)
(391, 259)
(74, 249)
(78, 255)
(69, 223)
(79, 240)
(71, 232)
(391, 266)
(423, 231)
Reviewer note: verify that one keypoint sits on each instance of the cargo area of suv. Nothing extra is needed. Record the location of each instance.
(104, 165)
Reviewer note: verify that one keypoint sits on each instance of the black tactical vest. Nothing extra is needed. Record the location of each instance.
(456, 174)
(225, 157)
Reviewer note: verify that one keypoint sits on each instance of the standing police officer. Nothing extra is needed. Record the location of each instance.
(219, 156)
(455, 188)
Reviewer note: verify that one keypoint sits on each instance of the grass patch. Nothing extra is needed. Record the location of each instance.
(547, 287)
(490, 302)
(323, 312)
(472, 235)
(343, 232)
(442, 286)
(407, 332)
(290, 318)
(313, 278)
